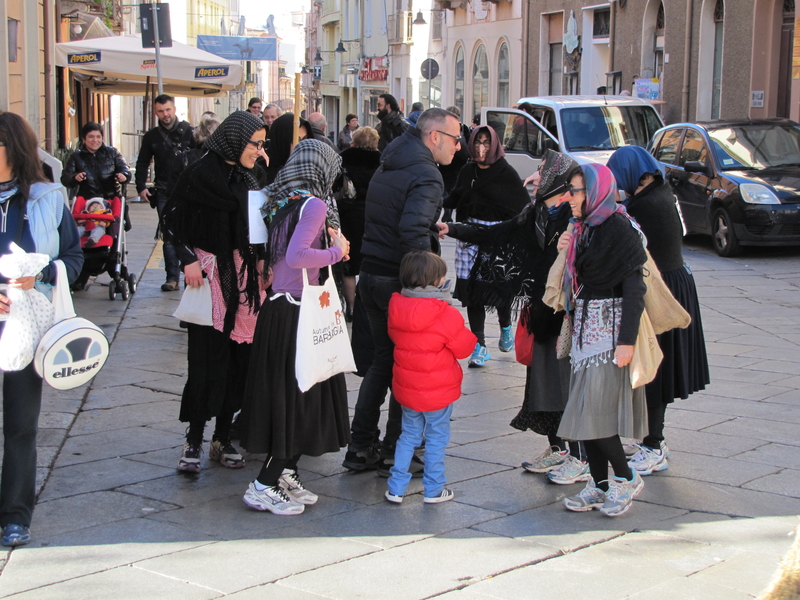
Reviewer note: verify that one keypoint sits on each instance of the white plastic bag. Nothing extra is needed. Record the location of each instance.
(195, 306)
(323, 346)
(31, 312)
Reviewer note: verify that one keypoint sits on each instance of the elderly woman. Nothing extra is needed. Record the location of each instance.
(488, 191)
(95, 169)
(206, 220)
(684, 369)
(35, 218)
(277, 418)
(359, 163)
(604, 286)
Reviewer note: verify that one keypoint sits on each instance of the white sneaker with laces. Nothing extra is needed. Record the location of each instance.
(290, 483)
(273, 499)
(572, 471)
(548, 460)
(589, 497)
(621, 493)
(648, 461)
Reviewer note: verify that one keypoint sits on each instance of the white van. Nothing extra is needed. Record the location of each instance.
(588, 128)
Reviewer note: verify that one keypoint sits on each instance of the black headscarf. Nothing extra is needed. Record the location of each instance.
(209, 208)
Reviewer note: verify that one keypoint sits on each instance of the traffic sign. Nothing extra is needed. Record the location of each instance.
(429, 69)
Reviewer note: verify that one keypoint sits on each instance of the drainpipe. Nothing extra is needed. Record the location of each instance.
(523, 93)
(49, 77)
(686, 60)
(612, 22)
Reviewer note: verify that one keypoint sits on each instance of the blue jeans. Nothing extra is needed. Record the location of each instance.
(171, 263)
(374, 291)
(434, 428)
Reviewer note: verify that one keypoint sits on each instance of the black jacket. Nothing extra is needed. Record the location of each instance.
(654, 209)
(320, 135)
(101, 168)
(493, 194)
(162, 146)
(403, 201)
(391, 126)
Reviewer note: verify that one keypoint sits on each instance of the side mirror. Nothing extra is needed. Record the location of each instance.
(694, 166)
(549, 144)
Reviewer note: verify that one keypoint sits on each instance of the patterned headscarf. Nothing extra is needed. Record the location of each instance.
(231, 137)
(630, 163)
(555, 172)
(495, 151)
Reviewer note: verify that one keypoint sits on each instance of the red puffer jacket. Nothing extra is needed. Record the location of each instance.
(429, 336)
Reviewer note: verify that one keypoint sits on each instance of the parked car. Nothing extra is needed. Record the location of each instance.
(738, 181)
(588, 128)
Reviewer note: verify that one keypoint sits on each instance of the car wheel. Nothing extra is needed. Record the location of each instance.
(723, 235)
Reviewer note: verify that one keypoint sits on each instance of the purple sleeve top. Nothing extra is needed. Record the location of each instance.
(305, 251)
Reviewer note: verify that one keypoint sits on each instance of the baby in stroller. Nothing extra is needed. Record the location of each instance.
(95, 206)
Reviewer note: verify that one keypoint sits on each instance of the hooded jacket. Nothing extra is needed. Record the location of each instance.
(429, 336)
(403, 202)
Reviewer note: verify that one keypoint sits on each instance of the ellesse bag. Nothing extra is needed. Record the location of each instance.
(74, 349)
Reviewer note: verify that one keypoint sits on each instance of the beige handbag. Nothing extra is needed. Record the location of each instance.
(664, 311)
(554, 288)
(647, 355)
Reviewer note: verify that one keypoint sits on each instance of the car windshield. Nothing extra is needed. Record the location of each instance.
(756, 146)
(608, 127)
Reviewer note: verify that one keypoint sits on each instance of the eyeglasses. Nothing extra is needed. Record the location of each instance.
(259, 144)
(457, 138)
(574, 190)
(485, 144)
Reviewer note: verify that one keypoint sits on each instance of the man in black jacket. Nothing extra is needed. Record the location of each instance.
(319, 126)
(161, 144)
(403, 201)
(392, 124)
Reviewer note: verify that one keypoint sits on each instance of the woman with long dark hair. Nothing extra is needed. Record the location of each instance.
(206, 220)
(34, 217)
(488, 191)
(277, 418)
(280, 146)
(684, 369)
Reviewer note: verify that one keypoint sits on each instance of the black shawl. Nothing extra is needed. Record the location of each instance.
(493, 194)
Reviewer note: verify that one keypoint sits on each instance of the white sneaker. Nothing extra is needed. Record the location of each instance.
(572, 471)
(443, 496)
(290, 483)
(273, 499)
(620, 495)
(589, 497)
(648, 461)
(548, 460)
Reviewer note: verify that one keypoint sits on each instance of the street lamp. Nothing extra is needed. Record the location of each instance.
(436, 13)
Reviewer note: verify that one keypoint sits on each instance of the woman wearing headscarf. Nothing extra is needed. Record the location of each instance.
(277, 418)
(684, 369)
(206, 220)
(604, 288)
(527, 246)
(488, 191)
(279, 147)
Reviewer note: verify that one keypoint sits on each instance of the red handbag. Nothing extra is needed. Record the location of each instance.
(523, 339)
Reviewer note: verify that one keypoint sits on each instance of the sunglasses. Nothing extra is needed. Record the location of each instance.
(259, 144)
(457, 138)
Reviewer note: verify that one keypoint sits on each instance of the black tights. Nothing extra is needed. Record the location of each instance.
(222, 428)
(273, 469)
(603, 451)
(477, 319)
(576, 449)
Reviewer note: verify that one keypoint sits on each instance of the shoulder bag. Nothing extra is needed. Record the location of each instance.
(664, 310)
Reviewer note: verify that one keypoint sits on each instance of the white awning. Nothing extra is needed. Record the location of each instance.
(119, 65)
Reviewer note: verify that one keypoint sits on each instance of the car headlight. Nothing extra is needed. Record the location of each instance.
(755, 193)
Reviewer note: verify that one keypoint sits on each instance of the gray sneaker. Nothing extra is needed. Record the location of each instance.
(273, 499)
(572, 471)
(548, 460)
(290, 483)
(621, 493)
(589, 497)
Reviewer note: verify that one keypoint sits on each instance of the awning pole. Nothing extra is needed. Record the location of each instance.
(158, 48)
(296, 131)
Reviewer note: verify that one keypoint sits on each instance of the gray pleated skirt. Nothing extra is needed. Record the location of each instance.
(602, 404)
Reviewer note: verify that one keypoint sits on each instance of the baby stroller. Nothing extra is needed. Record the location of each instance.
(109, 254)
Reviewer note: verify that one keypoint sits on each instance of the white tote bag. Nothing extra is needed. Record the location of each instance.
(74, 349)
(323, 345)
(195, 306)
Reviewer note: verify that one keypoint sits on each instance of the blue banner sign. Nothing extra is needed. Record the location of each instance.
(84, 58)
(239, 48)
(210, 72)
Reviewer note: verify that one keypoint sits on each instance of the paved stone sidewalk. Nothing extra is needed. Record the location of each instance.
(115, 519)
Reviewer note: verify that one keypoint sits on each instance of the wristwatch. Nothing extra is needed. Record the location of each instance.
(39, 276)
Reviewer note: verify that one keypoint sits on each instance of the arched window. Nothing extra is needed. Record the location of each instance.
(719, 16)
(658, 43)
(480, 80)
(459, 91)
(503, 85)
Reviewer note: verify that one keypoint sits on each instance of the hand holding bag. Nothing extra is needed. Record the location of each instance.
(74, 349)
(323, 346)
(195, 306)
(647, 355)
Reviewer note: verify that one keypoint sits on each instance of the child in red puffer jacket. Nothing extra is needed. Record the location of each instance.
(429, 336)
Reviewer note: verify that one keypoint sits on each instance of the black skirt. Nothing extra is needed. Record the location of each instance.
(277, 418)
(684, 369)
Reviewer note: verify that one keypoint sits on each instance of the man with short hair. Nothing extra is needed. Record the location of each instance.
(271, 112)
(162, 144)
(392, 125)
(402, 204)
(254, 106)
(319, 124)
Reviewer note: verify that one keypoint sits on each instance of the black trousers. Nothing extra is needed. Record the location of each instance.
(22, 402)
